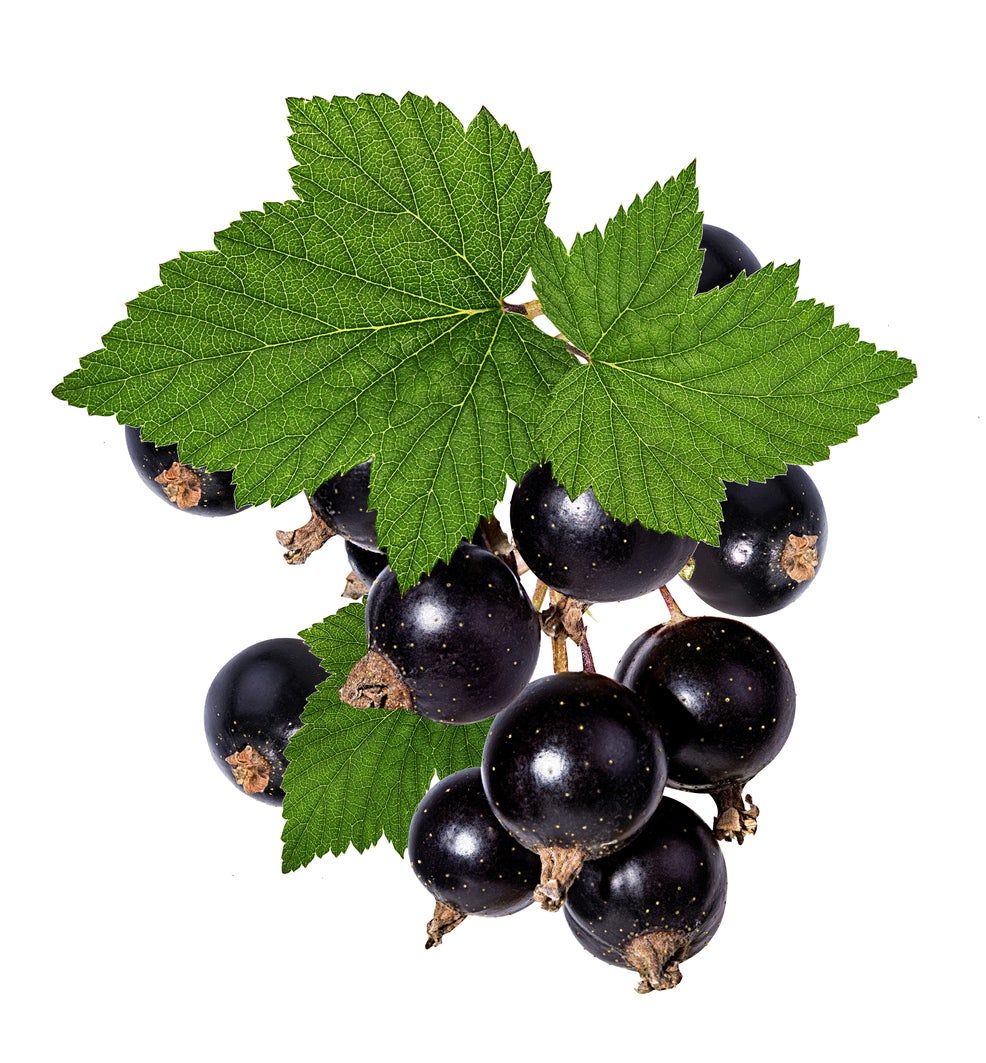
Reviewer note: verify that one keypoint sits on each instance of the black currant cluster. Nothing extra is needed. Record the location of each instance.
(568, 807)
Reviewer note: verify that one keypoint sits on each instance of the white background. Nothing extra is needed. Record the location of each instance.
(146, 917)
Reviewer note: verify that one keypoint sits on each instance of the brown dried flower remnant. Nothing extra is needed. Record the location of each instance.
(301, 543)
(181, 484)
(374, 683)
(800, 558)
(250, 770)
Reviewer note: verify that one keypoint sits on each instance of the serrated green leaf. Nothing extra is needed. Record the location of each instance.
(642, 268)
(357, 775)
(363, 320)
(683, 392)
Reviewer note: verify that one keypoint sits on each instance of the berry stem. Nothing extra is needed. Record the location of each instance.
(494, 539)
(559, 641)
(537, 598)
(588, 664)
(559, 652)
(676, 614)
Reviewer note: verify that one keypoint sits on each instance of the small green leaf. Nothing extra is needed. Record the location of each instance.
(356, 775)
(644, 267)
(682, 392)
(363, 320)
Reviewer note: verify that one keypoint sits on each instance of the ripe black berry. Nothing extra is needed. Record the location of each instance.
(578, 548)
(457, 647)
(254, 706)
(366, 566)
(339, 507)
(210, 494)
(654, 903)
(723, 698)
(573, 769)
(343, 503)
(464, 858)
(726, 256)
(772, 542)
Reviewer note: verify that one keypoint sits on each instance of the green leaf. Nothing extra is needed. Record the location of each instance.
(356, 775)
(682, 392)
(363, 320)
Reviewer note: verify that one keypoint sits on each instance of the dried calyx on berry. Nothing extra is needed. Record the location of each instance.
(772, 540)
(654, 903)
(208, 494)
(456, 647)
(252, 709)
(464, 858)
(340, 506)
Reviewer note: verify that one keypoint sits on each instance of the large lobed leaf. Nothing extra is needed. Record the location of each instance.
(363, 319)
(681, 392)
(356, 775)
(366, 319)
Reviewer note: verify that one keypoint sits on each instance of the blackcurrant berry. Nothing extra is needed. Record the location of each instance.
(456, 647)
(254, 706)
(573, 769)
(608, 954)
(772, 542)
(340, 506)
(578, 548)
(723, 698)
(210, 494)
(366, 566)
(464, 858)
(598, 948)
(654, 903)
(726, 256)
(343, 503)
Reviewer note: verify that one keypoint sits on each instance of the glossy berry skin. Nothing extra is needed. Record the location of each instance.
(726, 256)
(721, 694)
(208, 494)
(255, 702)
(670, 881)
(342, 502)
(592, 944)
(578, 548)
(608, 954)
(463, 856)
(574, 763)
(772, 541)
(367, 564)
(465, 639)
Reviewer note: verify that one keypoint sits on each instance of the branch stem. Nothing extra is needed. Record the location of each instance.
(559, 642)
(531, 309)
